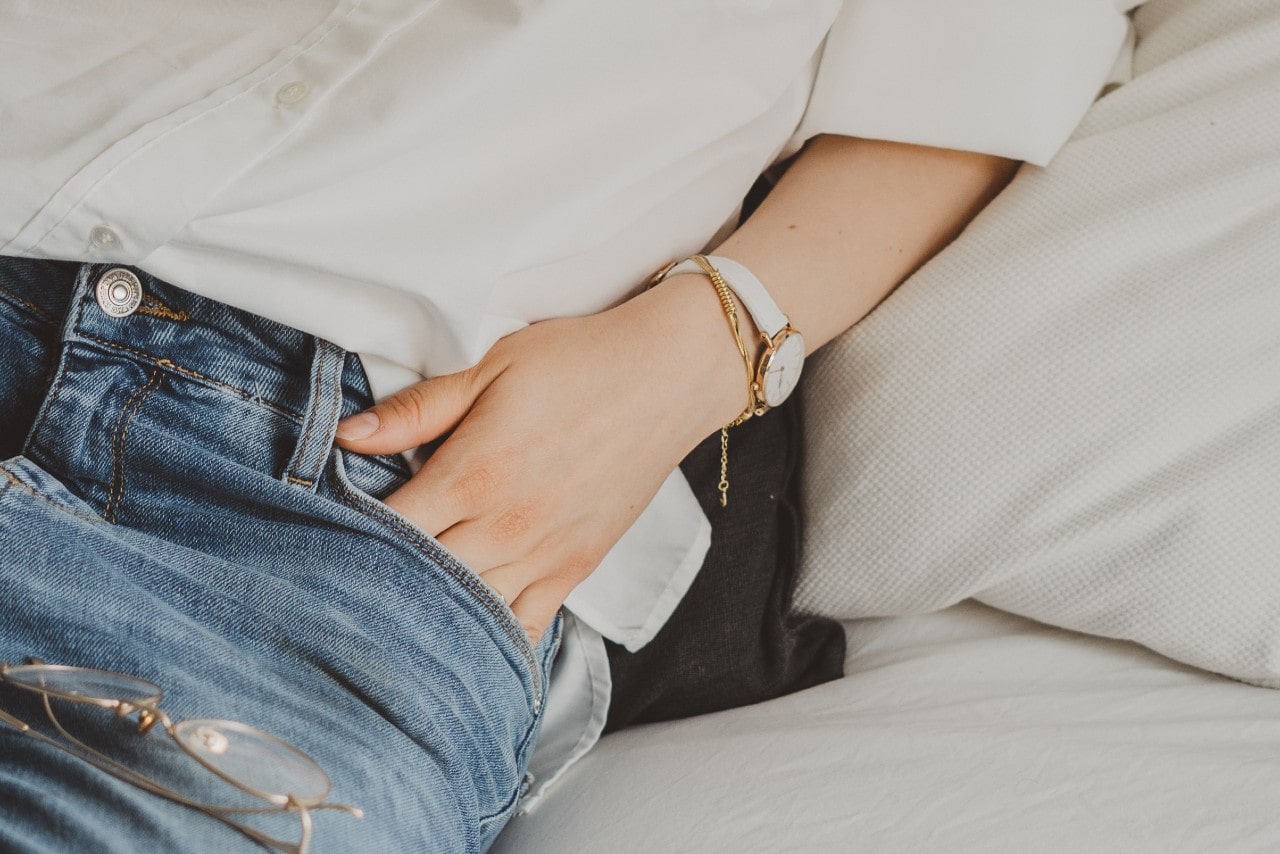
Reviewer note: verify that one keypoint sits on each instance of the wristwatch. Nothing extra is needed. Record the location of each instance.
(778, 369)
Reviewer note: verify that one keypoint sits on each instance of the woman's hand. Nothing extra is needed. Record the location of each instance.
(565, 430)
(560, 437)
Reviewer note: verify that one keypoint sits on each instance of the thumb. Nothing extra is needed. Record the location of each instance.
(409, 418)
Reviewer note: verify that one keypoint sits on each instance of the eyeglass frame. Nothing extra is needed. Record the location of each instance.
(150, 714)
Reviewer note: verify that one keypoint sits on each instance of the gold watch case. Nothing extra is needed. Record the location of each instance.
(778, 370)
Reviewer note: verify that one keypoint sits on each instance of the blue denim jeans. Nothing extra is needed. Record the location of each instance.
(172, 506)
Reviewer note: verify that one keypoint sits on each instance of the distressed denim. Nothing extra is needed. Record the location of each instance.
(172, 506)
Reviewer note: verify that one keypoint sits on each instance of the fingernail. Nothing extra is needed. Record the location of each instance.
(359, 426)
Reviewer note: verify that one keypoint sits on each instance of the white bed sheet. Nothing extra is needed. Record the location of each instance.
(967, 730)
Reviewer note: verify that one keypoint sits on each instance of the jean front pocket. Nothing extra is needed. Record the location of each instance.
(25, 476)
(377, 477)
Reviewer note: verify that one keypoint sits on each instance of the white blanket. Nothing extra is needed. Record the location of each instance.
(967, 731)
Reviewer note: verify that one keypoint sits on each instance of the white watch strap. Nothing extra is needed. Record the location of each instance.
(768, 318)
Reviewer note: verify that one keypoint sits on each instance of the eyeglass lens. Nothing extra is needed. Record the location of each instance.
(243, 755)
(84, 685)
(253, 759)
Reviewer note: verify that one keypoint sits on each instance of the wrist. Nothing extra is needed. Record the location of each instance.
(700, 360)
(772, 376)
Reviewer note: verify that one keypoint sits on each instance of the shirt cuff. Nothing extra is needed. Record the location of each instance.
(629, 597)
(1004, 77)
(577, 709)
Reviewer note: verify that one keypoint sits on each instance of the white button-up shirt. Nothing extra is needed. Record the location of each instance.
(413, 180)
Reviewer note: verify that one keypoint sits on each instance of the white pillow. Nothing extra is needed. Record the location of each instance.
(1073, 412)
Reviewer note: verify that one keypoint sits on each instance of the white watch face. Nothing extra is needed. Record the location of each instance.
(782, 369)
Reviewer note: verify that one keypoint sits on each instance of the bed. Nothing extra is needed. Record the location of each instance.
(1043, 493)
(965, 730)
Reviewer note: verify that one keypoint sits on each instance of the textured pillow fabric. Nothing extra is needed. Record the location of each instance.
(1073, 412)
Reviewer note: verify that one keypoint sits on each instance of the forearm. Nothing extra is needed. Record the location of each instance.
(565, 430)
(852, 218)
(844, 226)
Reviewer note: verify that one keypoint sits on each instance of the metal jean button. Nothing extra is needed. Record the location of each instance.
(119, 292)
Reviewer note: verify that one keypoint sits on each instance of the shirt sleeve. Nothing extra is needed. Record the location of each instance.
(1004, 77)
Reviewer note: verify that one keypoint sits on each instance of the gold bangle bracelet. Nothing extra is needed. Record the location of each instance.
(731, 314)
(725, 295)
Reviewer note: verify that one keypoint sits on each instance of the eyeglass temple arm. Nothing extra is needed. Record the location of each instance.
(137, 780)
(14, 722)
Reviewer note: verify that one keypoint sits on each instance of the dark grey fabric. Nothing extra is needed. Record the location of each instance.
(733, 639)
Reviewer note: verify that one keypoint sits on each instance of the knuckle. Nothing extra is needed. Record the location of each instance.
(477, 478)
(579, 566)
(515, 523)
(464, 385)
(474, 484)
(408, 405)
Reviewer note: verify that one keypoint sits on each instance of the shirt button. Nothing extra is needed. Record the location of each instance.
(292, 93)
(119, 292)
(102, 237)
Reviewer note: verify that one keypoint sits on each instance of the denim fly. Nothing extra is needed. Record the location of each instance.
(172, 506)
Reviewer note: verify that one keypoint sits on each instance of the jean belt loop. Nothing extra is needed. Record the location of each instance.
(321, 422)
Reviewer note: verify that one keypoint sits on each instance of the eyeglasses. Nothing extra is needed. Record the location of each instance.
(252, 760)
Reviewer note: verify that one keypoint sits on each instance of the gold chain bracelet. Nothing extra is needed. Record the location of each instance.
(731, 314)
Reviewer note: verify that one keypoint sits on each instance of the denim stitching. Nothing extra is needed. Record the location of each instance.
(34, 493)
(447, 562)
(32, 307)
(417, 539)
(119, 436)
(61, 373)
(153, 307)
(190, 374)
(311, 419)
